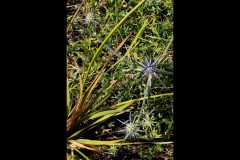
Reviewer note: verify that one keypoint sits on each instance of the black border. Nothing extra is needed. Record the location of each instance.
(34, 80)
(205, 68)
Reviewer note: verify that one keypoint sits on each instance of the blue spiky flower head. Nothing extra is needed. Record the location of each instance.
(149, 68)
(131, 129)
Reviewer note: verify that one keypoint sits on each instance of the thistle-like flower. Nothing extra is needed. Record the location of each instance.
(149, 68)
(90, 18)
(131, 129)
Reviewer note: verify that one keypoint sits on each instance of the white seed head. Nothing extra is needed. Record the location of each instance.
(89, 17)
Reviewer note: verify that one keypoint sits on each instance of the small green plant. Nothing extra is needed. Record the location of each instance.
(148, 121)
(113, 150)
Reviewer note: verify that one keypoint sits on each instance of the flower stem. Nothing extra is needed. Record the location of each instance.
(146, 91)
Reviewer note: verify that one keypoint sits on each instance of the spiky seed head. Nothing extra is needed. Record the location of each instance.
(113, 149)
(148, 122)
(89, 17)
(131, 128)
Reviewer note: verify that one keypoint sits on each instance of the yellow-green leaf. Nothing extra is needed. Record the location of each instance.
(97, 142)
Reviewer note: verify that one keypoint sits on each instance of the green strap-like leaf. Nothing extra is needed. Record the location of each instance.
(102, 119)
(131, 46)
(108, 36)
(139, 99)
(97, 142)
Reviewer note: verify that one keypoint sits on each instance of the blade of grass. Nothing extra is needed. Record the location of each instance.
(122, 106)
(108, 36)
(122, 43)
(97, 143)
(102, 119)
(103, 113)
(111, 112)
(76, 110)
(131, 46)
(82, 118)
(80, 94)
(109, 48)
(80, 84)
(104, 99)
(84, 101)
(98, 77)
(80, 131)
(84, 104)
(129, 143)
(139, 99)
(161, 56)
(118, 47)
(87, 93)
(94, 104)
(81, 154)
(117, 105)
(115, 142)
(79, 145)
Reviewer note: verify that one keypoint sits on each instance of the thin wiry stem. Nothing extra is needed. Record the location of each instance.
(146, 92)
(74, 15)
(160, 57)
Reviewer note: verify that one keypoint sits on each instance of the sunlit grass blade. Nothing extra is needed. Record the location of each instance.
(83, 103)
(97, 142)
(131, 45)
(118, 47)
(108, 36)
(139, 99)
(79, 145)
(93, 105)
(97, 78)
(122, 43)
(109, 48)
(108, 112)
(82, 154)
(161, 56)
(77, 106)
(132, 143)
(103, 113)
(115, 142)
(102, 119)
(95, 83)
(120, 106)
